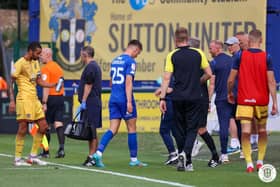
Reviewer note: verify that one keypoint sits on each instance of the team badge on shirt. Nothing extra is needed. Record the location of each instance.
(44, 77)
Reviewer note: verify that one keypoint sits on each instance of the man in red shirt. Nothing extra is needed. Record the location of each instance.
(255, 82)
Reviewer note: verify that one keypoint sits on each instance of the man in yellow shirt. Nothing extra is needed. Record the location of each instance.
(26, 73)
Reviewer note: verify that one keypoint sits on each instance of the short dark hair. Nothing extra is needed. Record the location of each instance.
(33, 46)
(136, 43)
(89, 50)
(181, 34)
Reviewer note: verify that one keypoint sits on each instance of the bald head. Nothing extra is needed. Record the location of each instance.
(47, 50)
(194, 42)
(215, 47)
(46, 55)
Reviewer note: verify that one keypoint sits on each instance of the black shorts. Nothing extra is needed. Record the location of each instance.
(188, 114)
(233, 113)
(94, 112)
(55, 108)
(204, 113)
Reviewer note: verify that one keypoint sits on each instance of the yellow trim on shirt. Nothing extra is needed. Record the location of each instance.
(169, 65)
(168, 62)
(204, 62)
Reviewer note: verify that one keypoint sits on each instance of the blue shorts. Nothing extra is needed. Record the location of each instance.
(119, 111)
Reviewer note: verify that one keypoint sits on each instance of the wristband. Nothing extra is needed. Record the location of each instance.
(44, 102)
(162, 99)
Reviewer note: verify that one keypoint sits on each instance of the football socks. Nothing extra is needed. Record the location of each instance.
(60, 136)
(106, 138)
(132, 144)
(210, 143)
(262, 144)
(19, 146)
(37, 140)
(246, 147)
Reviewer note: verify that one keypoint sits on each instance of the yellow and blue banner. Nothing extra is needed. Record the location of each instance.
(108, 25)
(148, 112)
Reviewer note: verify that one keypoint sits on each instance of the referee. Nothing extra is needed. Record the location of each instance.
(185, 64)
(53, 101)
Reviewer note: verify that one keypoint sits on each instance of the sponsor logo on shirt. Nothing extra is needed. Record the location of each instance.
(250, 100)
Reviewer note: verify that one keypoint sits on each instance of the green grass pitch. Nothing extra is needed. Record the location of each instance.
(117, 173)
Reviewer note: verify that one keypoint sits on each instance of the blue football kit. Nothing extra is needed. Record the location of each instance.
(121, 66)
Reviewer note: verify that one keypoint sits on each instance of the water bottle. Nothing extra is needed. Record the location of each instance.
(59, 84)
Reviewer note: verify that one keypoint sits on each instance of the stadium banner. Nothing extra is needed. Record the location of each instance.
(108, 25)
(148, 113)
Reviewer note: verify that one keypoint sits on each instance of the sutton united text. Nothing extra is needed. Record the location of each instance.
(158, 37)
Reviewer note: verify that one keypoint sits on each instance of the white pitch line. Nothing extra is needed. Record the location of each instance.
(200, 159)
(29, 168)
(114, 173)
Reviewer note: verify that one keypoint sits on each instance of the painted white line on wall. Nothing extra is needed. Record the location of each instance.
(113, 173)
